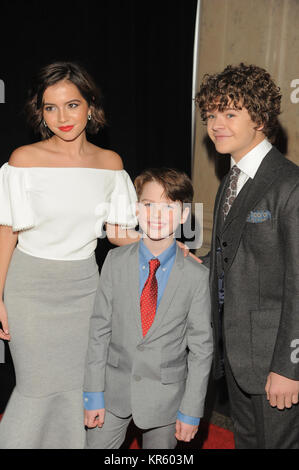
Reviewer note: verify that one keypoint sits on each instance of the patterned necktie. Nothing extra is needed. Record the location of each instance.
(231, 192)
(148, 299)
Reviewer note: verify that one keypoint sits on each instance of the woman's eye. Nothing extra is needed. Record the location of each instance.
(49, 108)
(73, 105)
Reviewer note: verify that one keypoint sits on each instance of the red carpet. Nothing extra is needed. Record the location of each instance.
(218, 438)
(209, 436)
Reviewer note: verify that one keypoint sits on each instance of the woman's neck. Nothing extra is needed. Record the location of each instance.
(70, 149)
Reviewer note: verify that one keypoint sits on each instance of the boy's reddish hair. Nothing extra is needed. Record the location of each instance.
(177, 185)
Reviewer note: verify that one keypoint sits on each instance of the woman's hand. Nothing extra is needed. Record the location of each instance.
(4, 332)
(186, 251)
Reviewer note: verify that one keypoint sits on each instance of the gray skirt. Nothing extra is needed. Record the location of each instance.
(49, 304)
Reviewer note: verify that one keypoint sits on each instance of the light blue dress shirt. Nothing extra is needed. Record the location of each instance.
(95, 400)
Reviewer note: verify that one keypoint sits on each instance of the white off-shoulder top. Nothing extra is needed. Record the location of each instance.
(59, 212)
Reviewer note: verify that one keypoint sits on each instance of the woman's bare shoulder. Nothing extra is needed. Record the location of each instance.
(24, 156)
(108, 159)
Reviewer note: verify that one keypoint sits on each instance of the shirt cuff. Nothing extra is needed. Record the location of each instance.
(188, 419)
(93, 400)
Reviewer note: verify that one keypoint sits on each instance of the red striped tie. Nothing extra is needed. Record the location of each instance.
(148, 299)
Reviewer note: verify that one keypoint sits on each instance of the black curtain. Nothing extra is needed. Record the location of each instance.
(140, 53)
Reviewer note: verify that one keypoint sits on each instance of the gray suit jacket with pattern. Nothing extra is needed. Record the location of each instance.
(150, 377)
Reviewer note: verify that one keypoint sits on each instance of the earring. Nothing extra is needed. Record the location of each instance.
(45, 124)
(89, 117)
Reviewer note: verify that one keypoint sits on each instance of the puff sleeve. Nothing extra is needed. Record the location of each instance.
(122, 207)
(15, 210)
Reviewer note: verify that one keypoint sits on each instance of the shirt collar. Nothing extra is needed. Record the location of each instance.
(145, 255)
(249, 164)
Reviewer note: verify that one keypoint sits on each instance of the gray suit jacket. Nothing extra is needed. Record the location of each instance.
(260, 246)
(150, 377)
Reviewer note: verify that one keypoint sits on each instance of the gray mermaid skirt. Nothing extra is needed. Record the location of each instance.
(49, 304)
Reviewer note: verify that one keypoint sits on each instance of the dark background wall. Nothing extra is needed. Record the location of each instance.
(140, 54)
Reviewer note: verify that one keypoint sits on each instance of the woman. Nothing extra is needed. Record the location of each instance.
(55, 196)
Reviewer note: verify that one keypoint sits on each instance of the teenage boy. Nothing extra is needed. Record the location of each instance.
(254, 259)
(150, 345)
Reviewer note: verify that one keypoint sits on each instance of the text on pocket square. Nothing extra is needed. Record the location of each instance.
(256, 217)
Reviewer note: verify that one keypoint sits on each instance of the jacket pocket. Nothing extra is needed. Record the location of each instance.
(261, 236)
(113, 357)
(264, 327)
(170, 375)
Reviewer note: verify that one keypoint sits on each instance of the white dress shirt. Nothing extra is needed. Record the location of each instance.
(249, 164)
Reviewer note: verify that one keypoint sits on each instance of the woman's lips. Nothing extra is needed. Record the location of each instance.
(66, 128)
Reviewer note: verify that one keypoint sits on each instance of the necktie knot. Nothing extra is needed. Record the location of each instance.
(153, 265)
(235, 170)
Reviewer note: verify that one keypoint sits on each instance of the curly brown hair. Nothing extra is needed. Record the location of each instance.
(53, 73)
(177, 185)
(247, 86)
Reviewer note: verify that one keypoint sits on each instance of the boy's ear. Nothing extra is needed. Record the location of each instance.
(261, 127)
(185, 213)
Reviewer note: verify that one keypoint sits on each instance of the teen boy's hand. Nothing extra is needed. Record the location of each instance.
(281, 391)
(185, 432)
(94, 418)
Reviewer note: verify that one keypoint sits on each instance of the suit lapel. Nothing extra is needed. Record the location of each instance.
(133, 283)
(170, 289)
(250, 195)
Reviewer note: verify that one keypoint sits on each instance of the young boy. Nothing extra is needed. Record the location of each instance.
(254, 259)
(150, 345)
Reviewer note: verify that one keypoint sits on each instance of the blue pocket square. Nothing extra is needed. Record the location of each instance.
(256, 217)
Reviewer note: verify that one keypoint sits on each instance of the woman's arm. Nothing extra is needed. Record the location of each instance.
(120, 236)
(8, 240)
